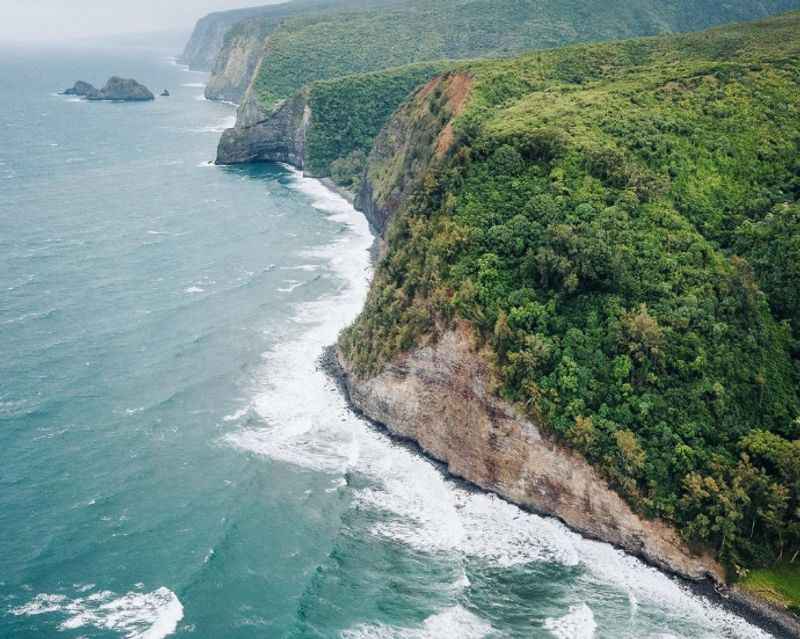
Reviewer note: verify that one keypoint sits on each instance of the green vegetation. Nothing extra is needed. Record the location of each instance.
(349, 112)
(319, 46)
(780, 585)
(619, 223)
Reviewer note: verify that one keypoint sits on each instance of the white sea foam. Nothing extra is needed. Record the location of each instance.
(236, 416)
(578, 623)
(194, 289)
(136, 615)
(306, 422)
(302, 267)
(292, 285)
(448, 624)
(194, 85)
(228, 123)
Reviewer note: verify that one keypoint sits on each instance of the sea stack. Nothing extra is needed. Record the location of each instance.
(123, 89)
(116, 89)
(165, 93)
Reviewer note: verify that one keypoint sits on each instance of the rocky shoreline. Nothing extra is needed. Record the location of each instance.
(656, 543)
(755, 611)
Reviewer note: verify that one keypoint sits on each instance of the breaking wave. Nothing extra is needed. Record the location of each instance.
(136, 615)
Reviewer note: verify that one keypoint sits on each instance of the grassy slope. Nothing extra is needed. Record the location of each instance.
(318, 47)
(587, 221)
(779, 585)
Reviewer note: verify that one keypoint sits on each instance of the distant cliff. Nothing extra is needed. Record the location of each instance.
(356, 40)
(208, 37)
(327, 127)
(238, 58)
(209, 49)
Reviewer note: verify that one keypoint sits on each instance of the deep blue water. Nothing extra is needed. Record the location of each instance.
(172, 461)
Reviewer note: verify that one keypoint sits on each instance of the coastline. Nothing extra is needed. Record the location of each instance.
(748, 607)
(751, 608)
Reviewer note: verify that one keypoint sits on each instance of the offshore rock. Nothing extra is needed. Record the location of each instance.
(123, 90)
(82, 89)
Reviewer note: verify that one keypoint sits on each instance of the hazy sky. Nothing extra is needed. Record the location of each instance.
(25, 20)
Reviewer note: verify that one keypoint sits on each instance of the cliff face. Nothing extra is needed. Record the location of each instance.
(208, 37)
(438, 396)
(418, 134)
(267, 137)
(238, 59)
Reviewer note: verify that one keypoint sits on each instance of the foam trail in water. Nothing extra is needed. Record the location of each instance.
(578, 623)
(447, 624)
(136, 615)
(309, 424)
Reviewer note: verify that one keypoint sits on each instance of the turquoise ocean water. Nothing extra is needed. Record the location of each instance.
(172, 461)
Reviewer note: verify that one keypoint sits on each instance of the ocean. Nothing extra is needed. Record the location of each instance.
(173, 459)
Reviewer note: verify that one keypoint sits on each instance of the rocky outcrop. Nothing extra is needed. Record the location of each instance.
(116, 89)
(267, 137)
(82, 89)
(123, 90)
(439, 396)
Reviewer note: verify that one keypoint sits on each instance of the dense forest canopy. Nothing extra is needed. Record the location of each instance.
(620, 223)
(323, 45)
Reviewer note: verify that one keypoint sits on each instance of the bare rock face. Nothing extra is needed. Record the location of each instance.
(267, 137)
(236, 64)
(438, 397)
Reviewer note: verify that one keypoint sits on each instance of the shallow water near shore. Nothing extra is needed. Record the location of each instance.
(173, 459)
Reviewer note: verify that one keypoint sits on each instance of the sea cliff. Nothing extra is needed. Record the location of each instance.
(440, 397)
(447, 188)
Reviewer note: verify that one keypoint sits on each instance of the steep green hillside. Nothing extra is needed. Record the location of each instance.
(349, 112)
(620, 223)
(209, 37)
(318, 47)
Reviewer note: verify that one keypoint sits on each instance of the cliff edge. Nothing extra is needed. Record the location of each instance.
(439, 396)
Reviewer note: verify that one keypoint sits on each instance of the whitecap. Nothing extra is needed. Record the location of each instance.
(136, 615)
(450, 623)
(578, 623)
(194, 289)
(194, 85)
(228, 123)
(302, 267)
(292, 285)
(236, 416)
